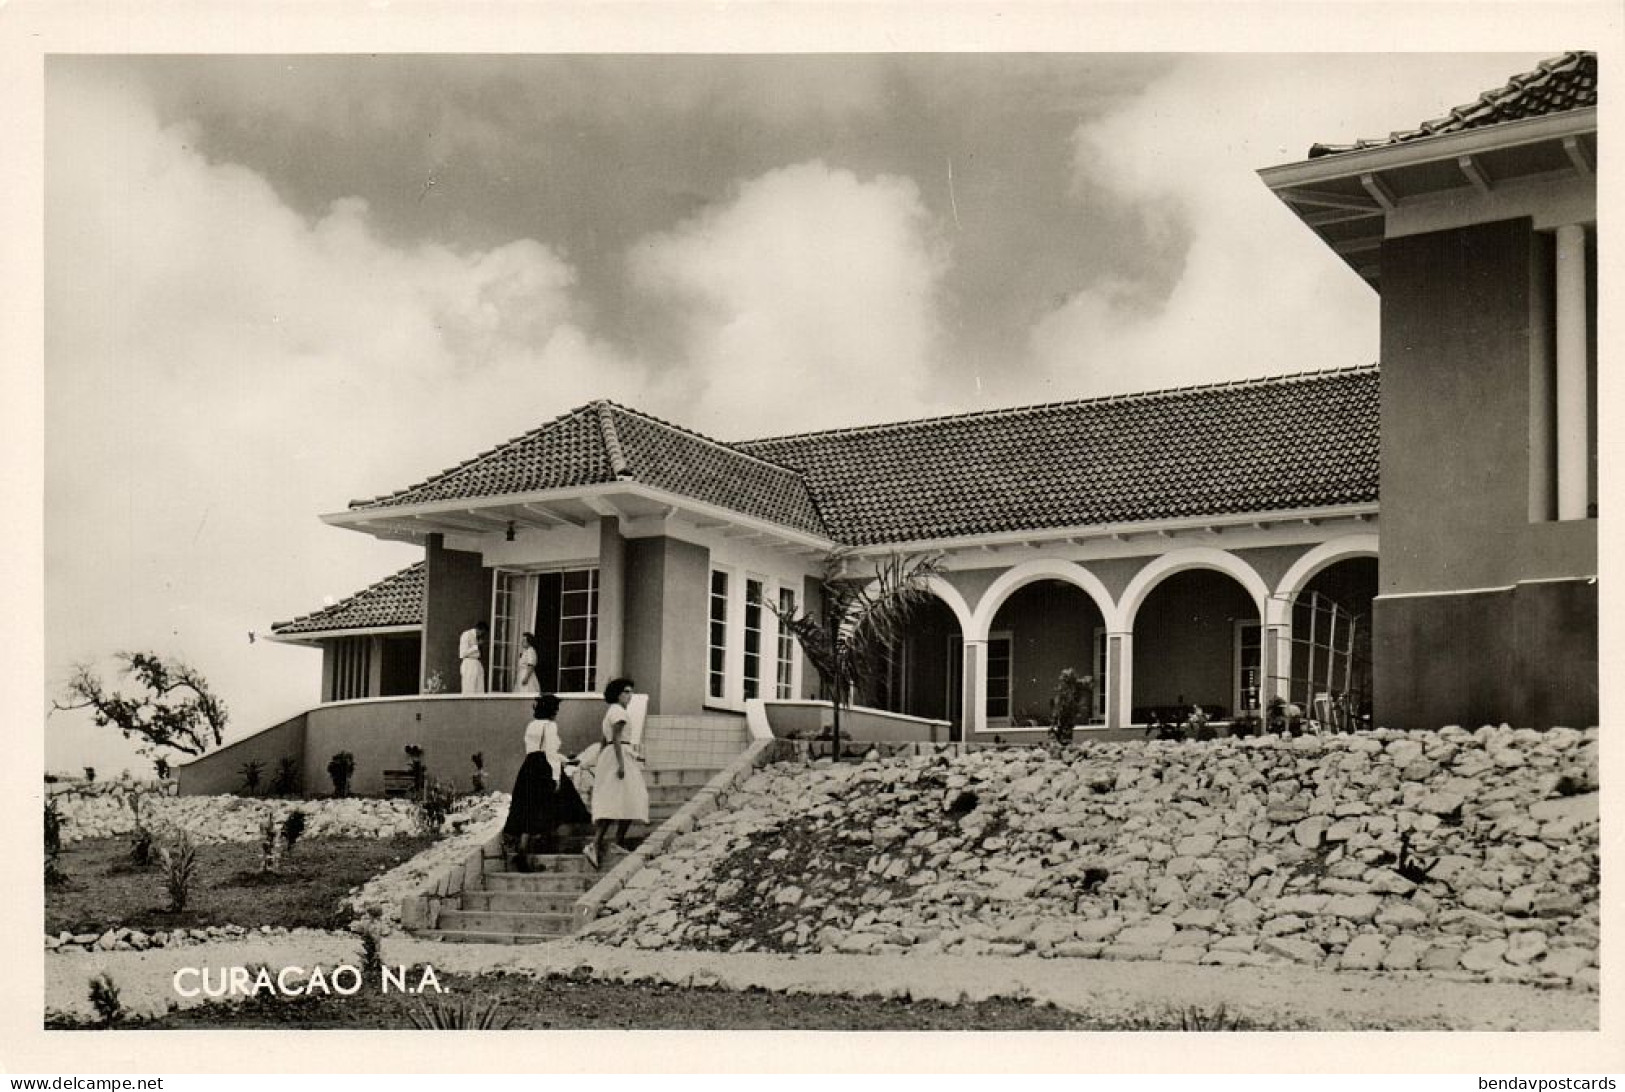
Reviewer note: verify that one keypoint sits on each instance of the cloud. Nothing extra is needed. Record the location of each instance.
(1257, 293)
(221, 368)
(809, 299)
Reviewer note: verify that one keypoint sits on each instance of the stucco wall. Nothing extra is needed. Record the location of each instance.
(221, 771)
(666, 588)
(457, 594)
(1457, 308)
(450, 729)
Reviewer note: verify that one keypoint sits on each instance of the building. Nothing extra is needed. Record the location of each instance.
(1479, 231)
(1214, 546)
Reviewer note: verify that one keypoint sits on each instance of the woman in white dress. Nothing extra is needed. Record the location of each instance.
(527, 682)
(619, 795)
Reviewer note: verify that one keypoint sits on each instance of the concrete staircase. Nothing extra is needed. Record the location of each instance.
(510, 905)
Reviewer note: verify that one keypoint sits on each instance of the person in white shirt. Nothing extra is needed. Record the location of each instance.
(471, 652)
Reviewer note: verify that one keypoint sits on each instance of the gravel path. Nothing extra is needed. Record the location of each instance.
(1274, 996)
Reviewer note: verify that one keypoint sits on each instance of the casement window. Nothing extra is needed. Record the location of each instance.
(785, 676)
(560, 608)
(1000, 674)
(1249, 667)
(717, 673)
(753, 639)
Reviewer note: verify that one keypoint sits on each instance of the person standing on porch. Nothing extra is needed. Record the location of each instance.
(619, 795)
(471, 652)
(527, 682)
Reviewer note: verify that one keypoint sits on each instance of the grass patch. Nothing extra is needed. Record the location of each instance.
(104, 890)
(565, 1003)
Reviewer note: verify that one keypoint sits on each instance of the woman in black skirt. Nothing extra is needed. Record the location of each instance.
(543, 797)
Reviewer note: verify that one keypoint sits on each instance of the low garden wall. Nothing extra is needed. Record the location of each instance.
(806, 719)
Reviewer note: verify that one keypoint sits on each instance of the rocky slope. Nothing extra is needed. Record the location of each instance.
(1466, 854)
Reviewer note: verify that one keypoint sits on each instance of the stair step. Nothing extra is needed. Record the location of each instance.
(551, 883)
(667, 794)
(680, 775)
(505, 921)
(556, 863)
(458, 936)
(521, 902)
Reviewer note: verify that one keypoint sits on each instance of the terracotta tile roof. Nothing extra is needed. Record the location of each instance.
(394, 601)
(601, 443)
(1264, 445)
(1558, 85)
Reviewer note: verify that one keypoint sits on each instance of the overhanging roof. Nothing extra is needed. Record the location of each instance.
(1538, 131)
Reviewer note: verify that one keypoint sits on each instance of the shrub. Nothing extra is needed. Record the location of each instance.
(478, 758)
(341, 767)
(90, 773)
(371, 928)
(434, 805)
(293, 828)
(1069, 702)
(105, 998)
(250, 772)
(461, 1015)
(285, 782)
(160, 766)
(180, 870)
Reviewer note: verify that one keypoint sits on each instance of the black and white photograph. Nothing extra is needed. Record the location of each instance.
(855, 539)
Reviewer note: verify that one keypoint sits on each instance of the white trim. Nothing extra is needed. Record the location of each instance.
(1313, 562)
(1488, 590)
(503, 696)
(324, 634)
(1146, 529)
(1445, 146)
(1017, 577)
(1195, 557)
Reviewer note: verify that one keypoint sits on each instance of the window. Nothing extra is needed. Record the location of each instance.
(999, 676)
(561, 609)
(1097, 698)
(578, 630)
(753, 639)
(1249, 666)
(784, 683)
(717, 686)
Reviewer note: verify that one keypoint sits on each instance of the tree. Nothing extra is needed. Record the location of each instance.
(177, 709)
(859, 622)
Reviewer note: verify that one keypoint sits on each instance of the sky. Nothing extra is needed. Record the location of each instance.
(274, 284)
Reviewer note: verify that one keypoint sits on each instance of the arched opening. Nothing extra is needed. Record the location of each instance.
(1331, 637)
(1040, 630)
(1197, 641)
(923, 675)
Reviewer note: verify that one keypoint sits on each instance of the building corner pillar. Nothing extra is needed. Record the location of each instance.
(611, 600)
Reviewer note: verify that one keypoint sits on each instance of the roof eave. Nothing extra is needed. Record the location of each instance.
(313, 638)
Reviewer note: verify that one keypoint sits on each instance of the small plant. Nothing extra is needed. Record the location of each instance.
(1196, 1018)
(160, 766)
(434, 805)
(141, 844)
(415, 767)
(478, 758)
(180, 870)
(434, 684)
(372, 929)
(285, 782)
(1284, 718)
(341, 767)
(270, 842)
(251, 771)
(54, 876)
(105, 999)
(90, 773)
(1196, 724)
(293, 828)
(461, 1015)
(1069, 702)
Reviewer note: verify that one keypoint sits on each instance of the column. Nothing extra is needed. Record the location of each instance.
(611, 599)
(973, 704)
(1573, 441)
(1120, 680)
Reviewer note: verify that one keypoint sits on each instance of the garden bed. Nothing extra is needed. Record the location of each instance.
(105, 889)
